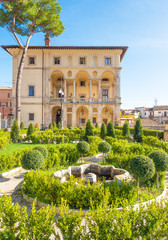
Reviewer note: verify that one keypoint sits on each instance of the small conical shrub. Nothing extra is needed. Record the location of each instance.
(15, 132)
(110, 130)
(22, 125)
(126, 130)
(103, 131)
(54, 126)
(96, 125)
(138, 133)
(59, 125)
(30, 129)
(50, 126)
(88, 130)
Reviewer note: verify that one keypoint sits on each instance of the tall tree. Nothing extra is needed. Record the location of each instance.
(25, 18)
(88, 130)
(110, 130)
(138, 132)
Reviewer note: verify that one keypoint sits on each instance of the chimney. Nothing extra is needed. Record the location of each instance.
(47, 40)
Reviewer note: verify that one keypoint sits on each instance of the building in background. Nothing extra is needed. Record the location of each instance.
(82, 81)
(5, 102)
(129, 115)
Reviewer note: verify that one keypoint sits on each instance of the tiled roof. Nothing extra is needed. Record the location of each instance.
(150, 122)
(124, 49)
(156, 108)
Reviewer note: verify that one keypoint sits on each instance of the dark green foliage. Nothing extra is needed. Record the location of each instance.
(83, 147)
(32, 160)
(103, 131)
(126, 130)
(59, 125)
(54, 126)
(142, 167)
(110, 130)
(22, 125)
(30, 129)
(104, 147)
(15, 132)
(50, 126)
(96, 125)
(138, 133)
(160, 160)
(43, 151)
(88, 130)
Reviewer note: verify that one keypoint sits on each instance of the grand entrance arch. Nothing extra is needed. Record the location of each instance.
(56, 114)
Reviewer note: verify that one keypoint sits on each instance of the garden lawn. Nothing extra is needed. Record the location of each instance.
(20, 146)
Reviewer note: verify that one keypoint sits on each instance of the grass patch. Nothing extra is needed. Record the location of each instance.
(21, 146)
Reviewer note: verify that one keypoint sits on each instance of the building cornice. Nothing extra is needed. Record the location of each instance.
(123, 48)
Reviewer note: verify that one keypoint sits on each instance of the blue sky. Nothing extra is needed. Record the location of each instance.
(142, 25)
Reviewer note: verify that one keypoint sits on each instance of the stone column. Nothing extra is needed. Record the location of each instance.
(99, 115)
(90, 93)
(90, 113)
(65, 90)
(74, 91)
(118, 86)
(74, 116)
(64, 116)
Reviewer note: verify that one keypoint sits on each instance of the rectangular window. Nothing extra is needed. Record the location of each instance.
(82, 83)
(82, 120)
(31, 90)
(8, 95)
(31, 60)
(82, 60)
(57, 60)
(105, 93)
(10, 104)
(94, 119)
(31, 116)
(6, 104)
(108, 61)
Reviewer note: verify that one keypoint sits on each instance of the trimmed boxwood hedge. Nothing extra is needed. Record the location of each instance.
(32, 160)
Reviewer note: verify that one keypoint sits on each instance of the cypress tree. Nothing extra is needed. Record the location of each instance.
(30, 129)
(50, 126)
(126, 130)
(138, 130)
(15, 132)
(22, 125)
(54, 126)
(103, 131)
(96, 125)
(110, 130)
(59, 125)
(89, 129)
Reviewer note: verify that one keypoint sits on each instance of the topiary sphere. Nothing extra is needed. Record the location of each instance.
(32, 160)
(83, 147)
(43, 151)
(142, 167)
(104, 147)
(160, 160)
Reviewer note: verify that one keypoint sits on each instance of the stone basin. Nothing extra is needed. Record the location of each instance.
(82, 171)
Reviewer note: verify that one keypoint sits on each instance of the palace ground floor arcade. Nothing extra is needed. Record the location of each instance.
(78, 114)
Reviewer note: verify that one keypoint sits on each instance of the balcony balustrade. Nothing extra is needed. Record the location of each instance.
(82, 100)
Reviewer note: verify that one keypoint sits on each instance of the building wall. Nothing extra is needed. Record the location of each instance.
(5, 102)
(44, 74)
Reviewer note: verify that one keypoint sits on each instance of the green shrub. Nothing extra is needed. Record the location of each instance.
(126, 130)
(160, 160)
(142, 167)
(22, 125)
(32, 160)
(15, 132)
(104, 147)
(43, 151)
(83, 147)
(88, 130)
(96, 125)
(138, 131)
(30, 129)
(54, 126)
(59, 125)
(93, 141)
(50, 126)
(110, 130)
(103, 131)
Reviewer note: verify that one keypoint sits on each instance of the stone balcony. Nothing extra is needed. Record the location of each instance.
(83, 100)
